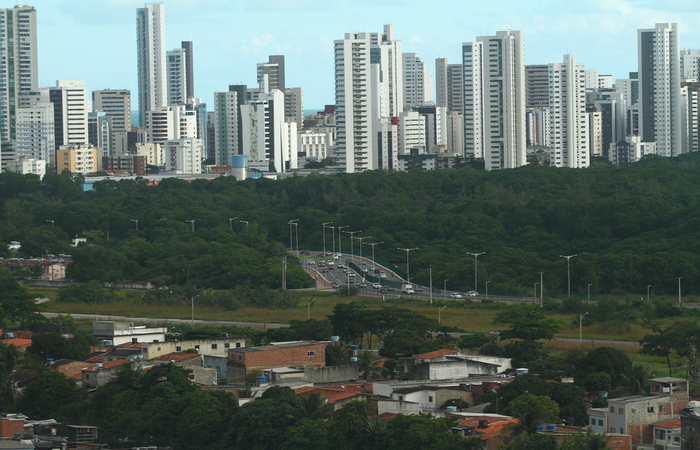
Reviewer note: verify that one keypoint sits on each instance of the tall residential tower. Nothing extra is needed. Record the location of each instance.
(150, 46)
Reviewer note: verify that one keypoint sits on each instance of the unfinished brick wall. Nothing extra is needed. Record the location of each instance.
(309, 355)
(8, 427)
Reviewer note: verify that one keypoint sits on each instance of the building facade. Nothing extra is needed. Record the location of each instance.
(151, 61)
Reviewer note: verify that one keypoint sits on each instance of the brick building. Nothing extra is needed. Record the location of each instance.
(247, 360)
(636, 415)
(11, 425)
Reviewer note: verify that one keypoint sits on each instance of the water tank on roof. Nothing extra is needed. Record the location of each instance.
(262, 379)
(3, 415)
(451, 409)
(552, 427)
(354, 347)
(335, 338)
(18, 436)
(65, 336)
(353, 359)
(224, 335)
(541, 427)
(521, 371)
(141, 367)
(9, 335)
(49, 360)
(106, 343)
(98, 365)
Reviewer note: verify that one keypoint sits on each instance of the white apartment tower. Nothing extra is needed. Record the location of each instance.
(368, 88)
(660, 88)
(228, 139)
(71, 106)
(690, 65)
(150, 46)
(18, 64)
(35, 127)
(494, 99)
(569, 130)
(176, 64)
(115, 104)
(417, 81)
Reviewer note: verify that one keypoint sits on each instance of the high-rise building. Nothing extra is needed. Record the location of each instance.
(271, 74)
(455, 88)
(294, 106)
(176, 63)
(183, 155)
(100, 132)
(71, 106)
(690, 65)
(494, 99)
(189, 69)
(18, 63)
(537, 86)
(417, 81)
(228, 139)
(171, 123)
(659, 88)
(368, 88)
(691, 115)
(441, 82)
(115, 104)
(35, 127)
(150, 46)
(569, 145)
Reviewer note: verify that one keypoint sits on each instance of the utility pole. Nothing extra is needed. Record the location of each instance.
(476, 256)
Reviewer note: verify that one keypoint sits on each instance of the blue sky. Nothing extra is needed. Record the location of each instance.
(95, 40)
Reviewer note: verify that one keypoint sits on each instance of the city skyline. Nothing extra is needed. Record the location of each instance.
(602, 34)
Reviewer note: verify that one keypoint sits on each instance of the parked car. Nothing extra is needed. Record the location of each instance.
(456, 296)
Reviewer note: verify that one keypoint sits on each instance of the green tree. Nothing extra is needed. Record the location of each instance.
(609, 360)
(539, 408)
(52, 395)
(312, 407)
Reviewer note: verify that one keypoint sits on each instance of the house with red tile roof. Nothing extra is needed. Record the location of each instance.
(492, 429)
(338, 396)
(667, 434)
(181, 358)
(21, 344)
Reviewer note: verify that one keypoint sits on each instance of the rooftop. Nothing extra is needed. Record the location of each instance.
(670, 424)
(176, 357)
(437, 353)
(276, 346)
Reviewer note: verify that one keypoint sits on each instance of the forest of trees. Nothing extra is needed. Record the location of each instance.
(630, 226)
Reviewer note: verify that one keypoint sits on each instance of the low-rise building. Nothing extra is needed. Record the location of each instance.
(248, 360)
(210, 347)
(667, 434)
(123, 332)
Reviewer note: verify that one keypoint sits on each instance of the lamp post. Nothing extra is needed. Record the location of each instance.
(439, 311)
(679, 291)
(133, 220)
(373, 244)
(541, 289)
(487, 289)
(352, 247)
(648, 287)
(325, 225)
(308, 308)
(230, 222)
(53, 224)
(476, 256)
(589, 293)
(340, 231)
(431, 285)
(333, 233)
(568, 271)
(360, 239)
(291, 239)
(535, 295)
(444, 289)
(245, 222)
(192, 221)
(408, 267)
(580, 327)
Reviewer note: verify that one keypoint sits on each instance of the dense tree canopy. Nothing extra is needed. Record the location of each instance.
(630, 226)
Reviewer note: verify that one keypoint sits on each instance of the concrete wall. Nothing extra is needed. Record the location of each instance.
(218, 363)
(442, 395)
(397, 407)
(449, 370)
(202, 375)
(330, 374)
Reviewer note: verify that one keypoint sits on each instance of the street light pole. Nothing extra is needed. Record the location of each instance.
(308, 308)
(476, 256)
(541, 289)
(352, 244)
(535, 295)
(230, 222)
(324, 236)
(439, 311)
(444, 290)
(568, 271)
(333, 233)
(408, 267)
(340, 235)
(53, 224)
(431, 285)
(245, 222)
(589, 293)
(133, 220)
(291, 239)
(192, 221)
(648, 287)
(679, 291)
(580, 327)
(360, 239)
(487, 289)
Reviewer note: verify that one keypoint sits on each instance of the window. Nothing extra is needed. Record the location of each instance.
(238, 344)
(240, 357)
(311, 353)
(600, 422)
(178, 348)
(650, 409)
(430, 399)
(191, 376)
(227, 345)
(620, 411)
(214, 346)
(196, 347)
(612, 410)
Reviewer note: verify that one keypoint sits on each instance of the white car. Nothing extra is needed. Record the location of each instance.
(456, 296)
(473, 294)
(312, 262)
(376, 286)
(382, 275)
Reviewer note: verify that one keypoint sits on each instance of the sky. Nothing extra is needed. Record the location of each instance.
(95, 40)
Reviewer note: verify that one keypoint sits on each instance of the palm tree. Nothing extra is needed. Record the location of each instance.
(312, 407)
(367, 365)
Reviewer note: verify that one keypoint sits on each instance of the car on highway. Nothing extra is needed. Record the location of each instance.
(472, 294)
(382, 275)
(362, 284)
(456, 296)
(376, 286)
(385, 290)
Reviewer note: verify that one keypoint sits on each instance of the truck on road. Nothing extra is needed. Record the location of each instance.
(407, 288)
